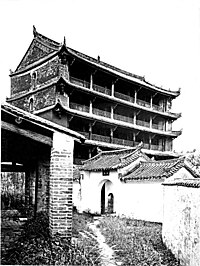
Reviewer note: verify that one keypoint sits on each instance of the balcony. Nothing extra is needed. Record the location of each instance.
(143, 103)
(123, 118)
(80, 82)
(123, 142)
(142, 123)
(79, 107)
(157, 108)
(157, 126)
(101, 89)
(101, 138)
(156, 147)
(124, 97)
(85, 134)
(101, 112)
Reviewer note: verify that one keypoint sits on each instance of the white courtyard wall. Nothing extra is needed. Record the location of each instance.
(141, 200)
(181, 222)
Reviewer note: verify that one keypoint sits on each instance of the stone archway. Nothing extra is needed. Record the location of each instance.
(107, 197)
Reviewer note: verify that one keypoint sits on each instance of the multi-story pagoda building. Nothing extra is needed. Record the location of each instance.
(112, 108)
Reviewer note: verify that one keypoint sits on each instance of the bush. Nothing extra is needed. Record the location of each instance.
(35, 246)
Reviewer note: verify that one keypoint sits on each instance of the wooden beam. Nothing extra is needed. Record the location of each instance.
(26, 133)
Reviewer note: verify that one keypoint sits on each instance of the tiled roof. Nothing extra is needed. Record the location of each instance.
(110, 160)
(155, 169)
(185, 183)
(8, 108)
(55, 46)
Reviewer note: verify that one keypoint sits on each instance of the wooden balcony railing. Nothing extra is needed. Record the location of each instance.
(124, 118)
(85, 134)
(157, 126)
(79, 107)
(123, 142)
(101, 112)
(101, 89)
(142, 123)
(143, 103)
(80, 82)
(101, 138)
(124, 97)
(157, 108)
(156, 147)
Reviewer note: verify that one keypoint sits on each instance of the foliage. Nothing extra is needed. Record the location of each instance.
(35, 246)
(136, 242)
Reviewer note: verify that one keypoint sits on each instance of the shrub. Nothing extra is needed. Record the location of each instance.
(35, 246)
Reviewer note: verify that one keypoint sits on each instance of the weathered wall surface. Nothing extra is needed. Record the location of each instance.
(181, 223)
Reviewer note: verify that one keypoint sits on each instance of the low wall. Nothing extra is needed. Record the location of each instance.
(181, 220)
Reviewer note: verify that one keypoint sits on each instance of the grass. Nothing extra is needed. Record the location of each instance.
(136, 242)
(34, 247)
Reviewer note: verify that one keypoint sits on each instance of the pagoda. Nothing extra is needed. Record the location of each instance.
(110, 107)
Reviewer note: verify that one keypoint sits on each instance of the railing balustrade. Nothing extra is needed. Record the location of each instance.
(156, 147)
(101, 112)
(101, 89)
(123, 142)
(157, 108)
(85, 134)
(123, 97)
(101, 138)
(142, 123)
(143, 103)
(80, 82)
(157, 126)
(123, 118)
(79, 107)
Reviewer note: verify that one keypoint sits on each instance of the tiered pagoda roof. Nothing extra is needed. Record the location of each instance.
(42, 49)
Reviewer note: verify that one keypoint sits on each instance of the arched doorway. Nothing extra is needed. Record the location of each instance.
(107, 197)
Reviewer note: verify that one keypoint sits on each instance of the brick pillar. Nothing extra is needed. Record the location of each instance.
(61, 183)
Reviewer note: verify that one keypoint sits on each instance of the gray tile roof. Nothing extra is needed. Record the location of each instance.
(157, 169)
(111, 160)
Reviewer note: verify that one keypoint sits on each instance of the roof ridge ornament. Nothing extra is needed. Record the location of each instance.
(34, 31)
(64, 41)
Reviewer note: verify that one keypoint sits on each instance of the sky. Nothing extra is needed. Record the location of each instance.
(158, 39)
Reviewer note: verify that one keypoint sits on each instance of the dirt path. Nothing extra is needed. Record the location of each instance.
(107, 253)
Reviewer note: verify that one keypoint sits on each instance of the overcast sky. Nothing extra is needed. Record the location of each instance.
(158, 39)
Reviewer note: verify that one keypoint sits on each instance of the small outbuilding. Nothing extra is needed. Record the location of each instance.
(127, 182)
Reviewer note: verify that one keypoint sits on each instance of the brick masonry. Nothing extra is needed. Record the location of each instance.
(181, 223)
(61, 185)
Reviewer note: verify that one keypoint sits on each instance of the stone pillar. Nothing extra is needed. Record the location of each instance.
(91, 81)
(150, 142)
(61, 183)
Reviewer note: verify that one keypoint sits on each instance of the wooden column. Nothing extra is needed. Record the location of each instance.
(150, 138)
(91, 81)
(135, 98)
(150, 122)
(151, 102)
(90, 107)
(134, 118)
(90, 131)
(111, 135)
(113, 89)
(112, 112)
